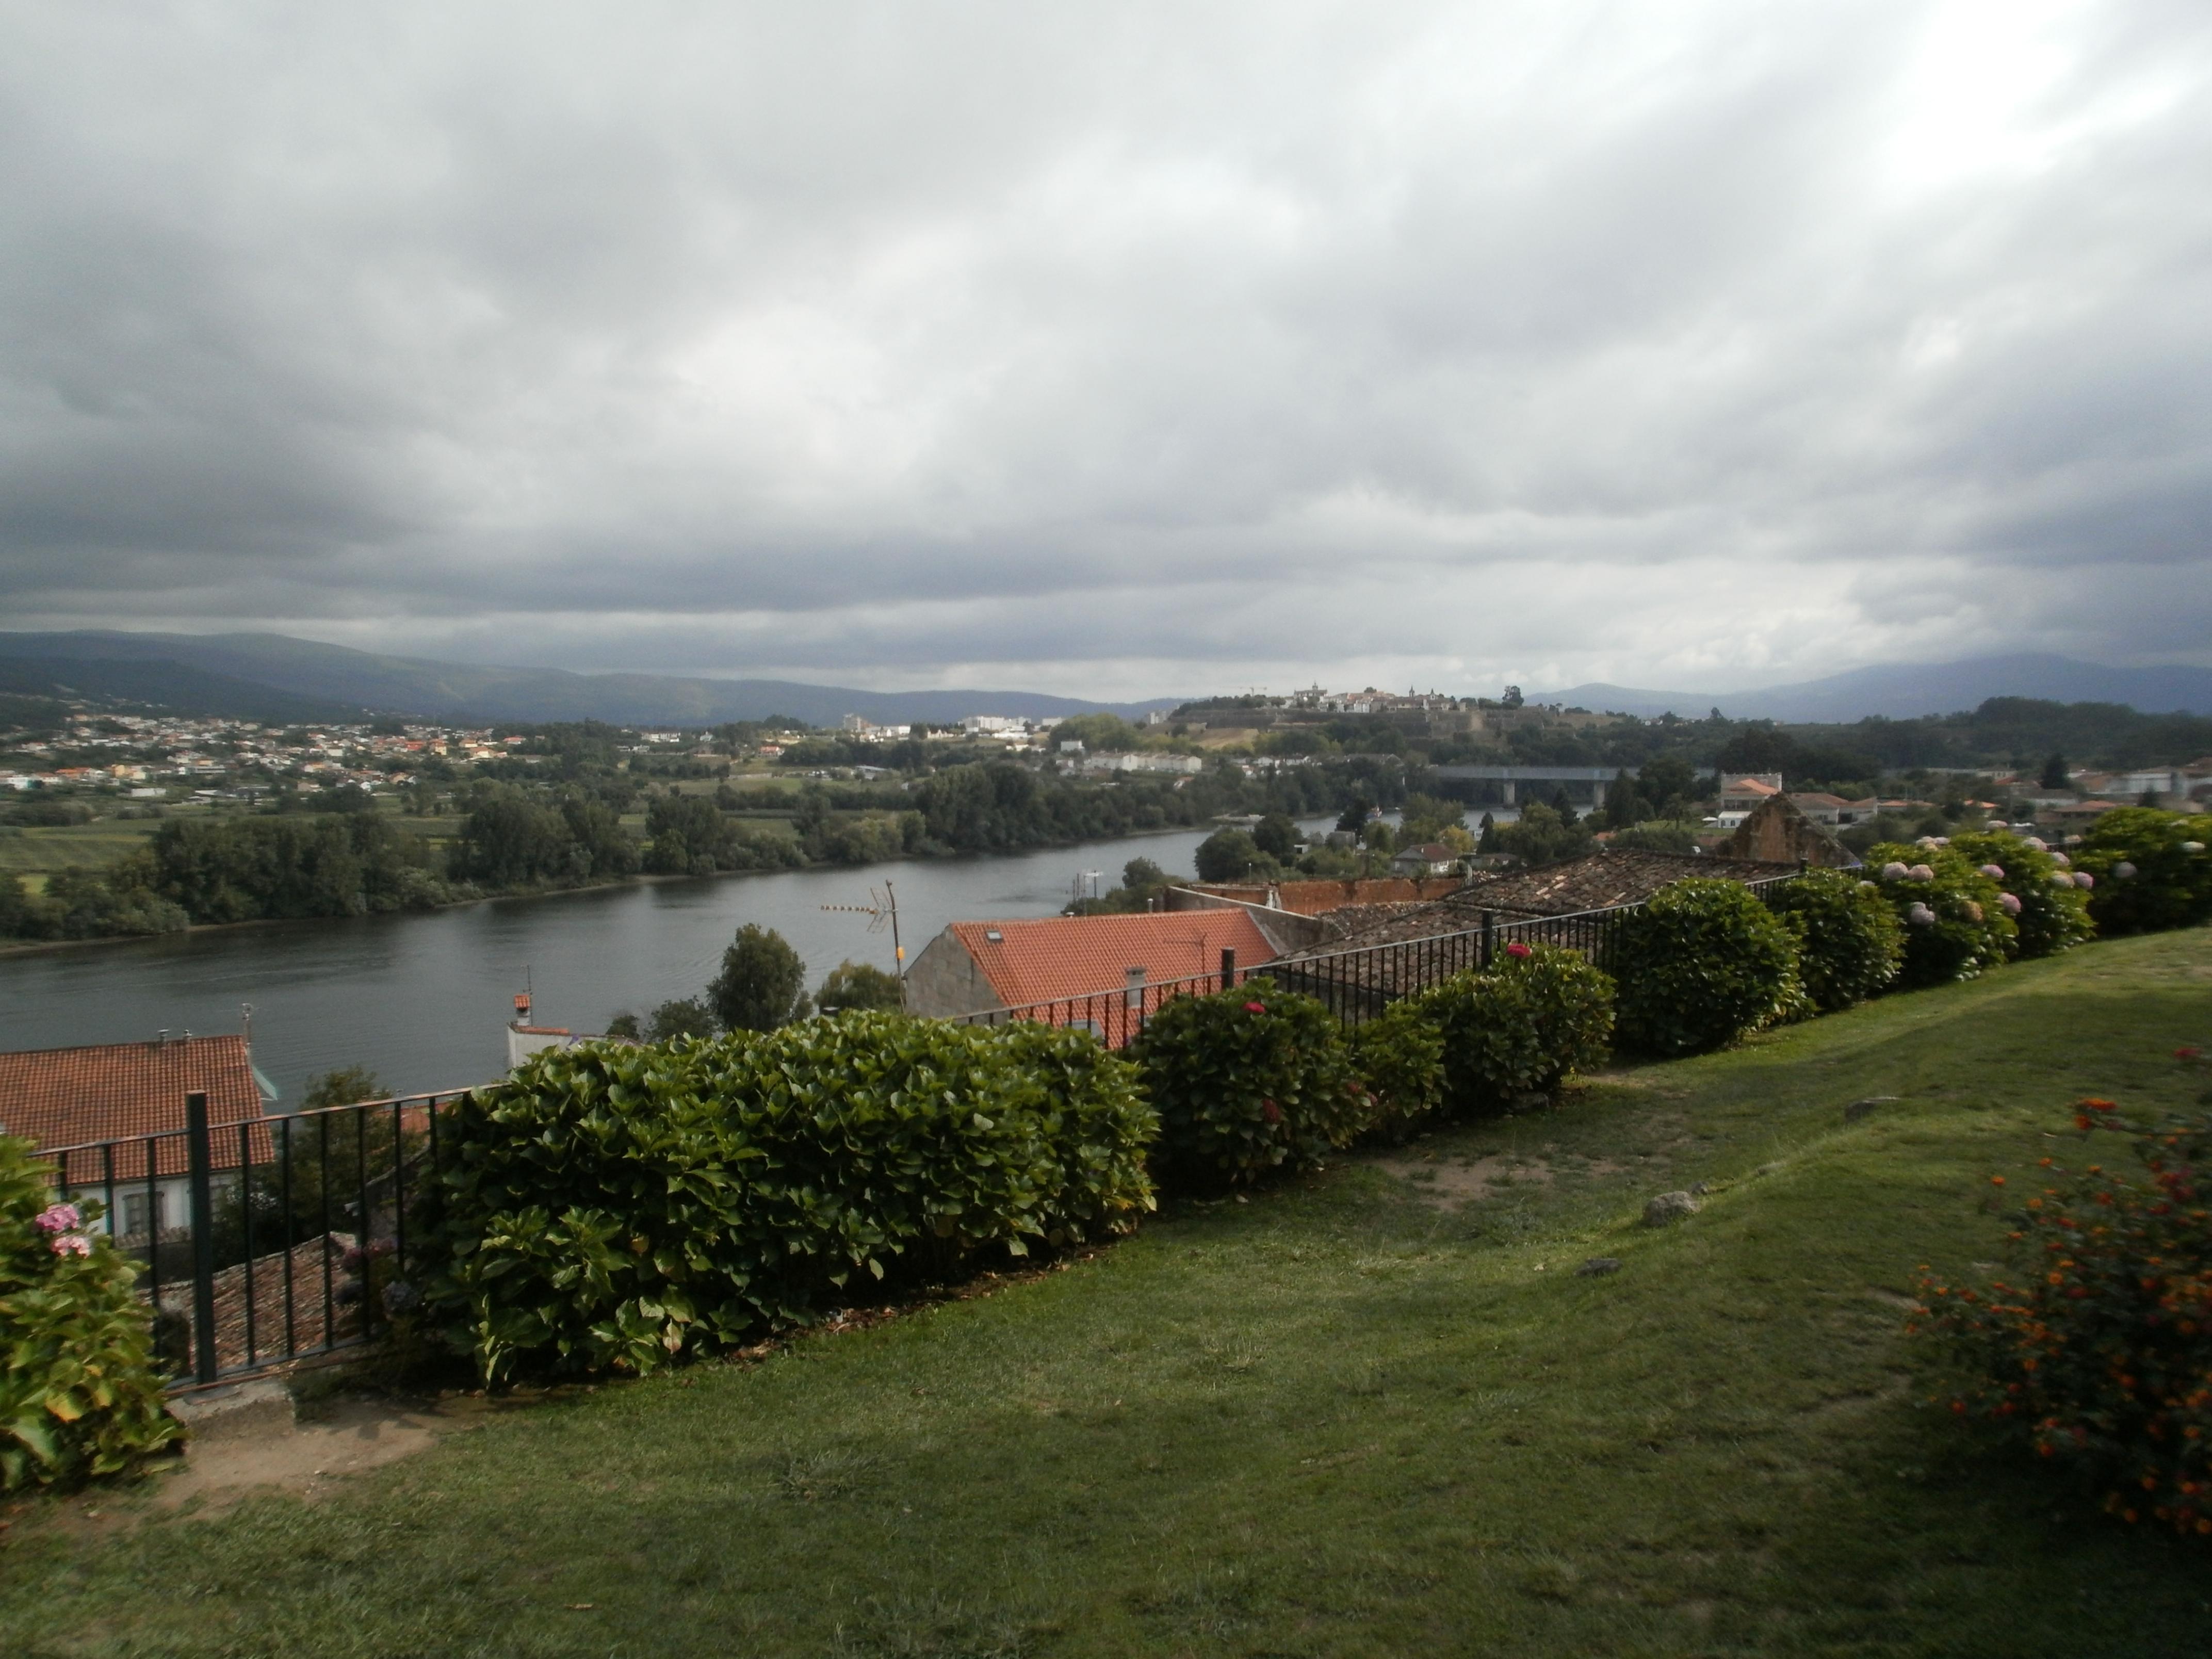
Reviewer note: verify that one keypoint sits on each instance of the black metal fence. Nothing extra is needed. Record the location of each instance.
(269, 1242)
(1356, 984)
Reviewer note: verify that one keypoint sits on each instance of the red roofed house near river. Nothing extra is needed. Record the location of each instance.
(119, 1092)
(983, 967)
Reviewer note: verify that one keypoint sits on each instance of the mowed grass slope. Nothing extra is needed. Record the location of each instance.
(1356, 1417)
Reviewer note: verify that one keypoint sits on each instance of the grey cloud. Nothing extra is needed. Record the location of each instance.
(1621, 341)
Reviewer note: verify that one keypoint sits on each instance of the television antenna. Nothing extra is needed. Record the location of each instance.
(882, 911)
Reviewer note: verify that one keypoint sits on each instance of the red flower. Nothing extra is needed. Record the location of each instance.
(2188, 1053)
(1271, 1112)
(1256, 1007)
(1516, 949)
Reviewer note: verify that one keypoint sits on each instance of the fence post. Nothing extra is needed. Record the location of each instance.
(202, 1203)
(1228, 969)
(1489, 936)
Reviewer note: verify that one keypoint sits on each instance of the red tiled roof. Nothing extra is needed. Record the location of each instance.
(69, 1096)
(1043, 959)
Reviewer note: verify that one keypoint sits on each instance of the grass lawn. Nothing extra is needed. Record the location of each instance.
(1372, 1414)
(41, 849)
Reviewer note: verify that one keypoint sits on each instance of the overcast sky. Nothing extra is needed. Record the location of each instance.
(1122, 350)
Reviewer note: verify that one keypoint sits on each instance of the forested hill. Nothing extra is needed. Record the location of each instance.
(480, 692)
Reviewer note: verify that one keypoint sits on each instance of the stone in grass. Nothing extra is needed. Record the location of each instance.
(1598, 1264)
(1669, 1207)
(1859, 1108)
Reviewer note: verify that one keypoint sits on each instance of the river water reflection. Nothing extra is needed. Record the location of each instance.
(422, 999)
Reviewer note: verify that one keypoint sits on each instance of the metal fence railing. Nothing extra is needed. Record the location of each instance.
(267, 1242)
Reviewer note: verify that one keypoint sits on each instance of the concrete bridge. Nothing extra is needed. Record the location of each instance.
(1501, 785)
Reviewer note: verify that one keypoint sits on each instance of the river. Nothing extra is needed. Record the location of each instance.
(423, 999)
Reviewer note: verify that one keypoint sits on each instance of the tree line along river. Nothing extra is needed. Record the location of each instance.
(423, 998)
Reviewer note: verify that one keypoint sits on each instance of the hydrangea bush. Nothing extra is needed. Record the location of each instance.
(1537, 1014)
(1849, 943)
(2036, 889)
(1700, 965)
(1248, 1082)
(2151, 870)
(1956, 923)
(79, 1395)
(2094, 1352)
(1399, 1058)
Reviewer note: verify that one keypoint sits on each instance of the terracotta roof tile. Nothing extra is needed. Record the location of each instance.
(1043, 959)
(117, 1091)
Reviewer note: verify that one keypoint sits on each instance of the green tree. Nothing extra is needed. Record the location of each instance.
(1277, 836)
(510, 841)
(762, 983)
(1229, 855)
(858, 985)
(347, 1085)
(1426, 818)
(2054, 773)
(1353, 818)
(1670, 785)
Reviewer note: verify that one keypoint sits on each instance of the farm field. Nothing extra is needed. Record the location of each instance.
(1375, 1412)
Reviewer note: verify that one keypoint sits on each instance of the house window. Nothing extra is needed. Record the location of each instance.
(135, 1212)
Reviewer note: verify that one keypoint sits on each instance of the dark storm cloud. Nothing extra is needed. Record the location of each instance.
(1161, 345)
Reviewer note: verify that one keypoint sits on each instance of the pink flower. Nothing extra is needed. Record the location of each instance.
(72, 1244)
(2083, 878)
(1516, 949)
(1256, 1007)
(59, 1218)
(1993, 872)
(2188, 1053)
(2008, 904)
(2124, 871)
(1894, 871)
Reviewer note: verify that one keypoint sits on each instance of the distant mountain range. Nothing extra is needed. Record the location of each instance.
(241, 675)
(274, 678)
(1907, 690)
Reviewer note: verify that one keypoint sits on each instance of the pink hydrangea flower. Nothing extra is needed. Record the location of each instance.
(72, 1244)
(1922, 873)
(1516, 949)
(1920, 915)
(1993, 872)
(59, 1218)
(2008, 904)
(1894, 871)
(2083, 878)
(1256, 1007)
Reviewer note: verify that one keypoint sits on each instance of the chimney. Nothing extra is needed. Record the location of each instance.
(522, 1008)
(1135, 994)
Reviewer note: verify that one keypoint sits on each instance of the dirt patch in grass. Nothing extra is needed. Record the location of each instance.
(1451, 1181)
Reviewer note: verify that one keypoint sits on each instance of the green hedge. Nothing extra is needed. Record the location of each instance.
(2152, 869)
(1849, 943)
(1700, 965)
(1537, 1014)
(611, 1207)
(79, 1397)
(2049, 912)
(1954, 918)
(1248, 1082)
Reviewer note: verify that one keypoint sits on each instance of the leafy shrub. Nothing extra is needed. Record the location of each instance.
(1850, 942)
(1398, 1057)
(2151, 869)
(78, 1394)
(2050, 915)
(2100, 1357)
(762, 983)
(1701, 965)
(1248, 1082)
(1954, 917)
(612, 1206)
(1518, 1028)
